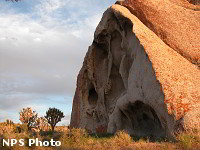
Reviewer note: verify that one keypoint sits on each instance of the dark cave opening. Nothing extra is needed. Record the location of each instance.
(93, 97)
(140, 119)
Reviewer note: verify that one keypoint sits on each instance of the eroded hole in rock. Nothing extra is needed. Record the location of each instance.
(115, 90)
(93, 97)
(140, 119)
(115, 87)
(116, 49)
(195, 2)
(100, 53)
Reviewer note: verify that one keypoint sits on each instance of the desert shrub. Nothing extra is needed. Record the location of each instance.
(191, 122)
(189, 140)
(42, 123)
(77, 134)
(46, 133)
(186, 141)
(9, 122)
(5, 128)
(23, 128)
(122, 138)
(75, 138)
(29, 117)
(1, 140)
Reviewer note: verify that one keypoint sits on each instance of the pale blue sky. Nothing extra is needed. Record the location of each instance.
(42, 47)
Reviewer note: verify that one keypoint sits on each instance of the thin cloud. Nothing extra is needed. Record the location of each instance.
(42, 47)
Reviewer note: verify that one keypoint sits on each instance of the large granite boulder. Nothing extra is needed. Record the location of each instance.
(141, 72)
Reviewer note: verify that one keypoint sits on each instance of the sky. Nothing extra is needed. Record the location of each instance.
(42, 47)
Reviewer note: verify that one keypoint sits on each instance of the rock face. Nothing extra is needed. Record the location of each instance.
(141, 72)
(195, 2)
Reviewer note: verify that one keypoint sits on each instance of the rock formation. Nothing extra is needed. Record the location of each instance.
(141, 72)
(195, 2)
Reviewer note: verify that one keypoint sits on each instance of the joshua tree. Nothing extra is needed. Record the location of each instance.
(9, 122)
(29, 117)
(54, 115)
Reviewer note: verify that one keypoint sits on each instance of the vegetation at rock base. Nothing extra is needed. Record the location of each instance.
(76, 139)
(81, 139)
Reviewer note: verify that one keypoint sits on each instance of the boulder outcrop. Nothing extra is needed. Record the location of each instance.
(141, 72)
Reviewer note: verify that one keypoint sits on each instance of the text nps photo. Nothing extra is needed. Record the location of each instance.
(31, 142)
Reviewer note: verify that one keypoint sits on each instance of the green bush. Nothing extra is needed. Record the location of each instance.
(46, 133)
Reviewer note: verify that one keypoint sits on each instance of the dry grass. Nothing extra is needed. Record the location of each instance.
(78, 139)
